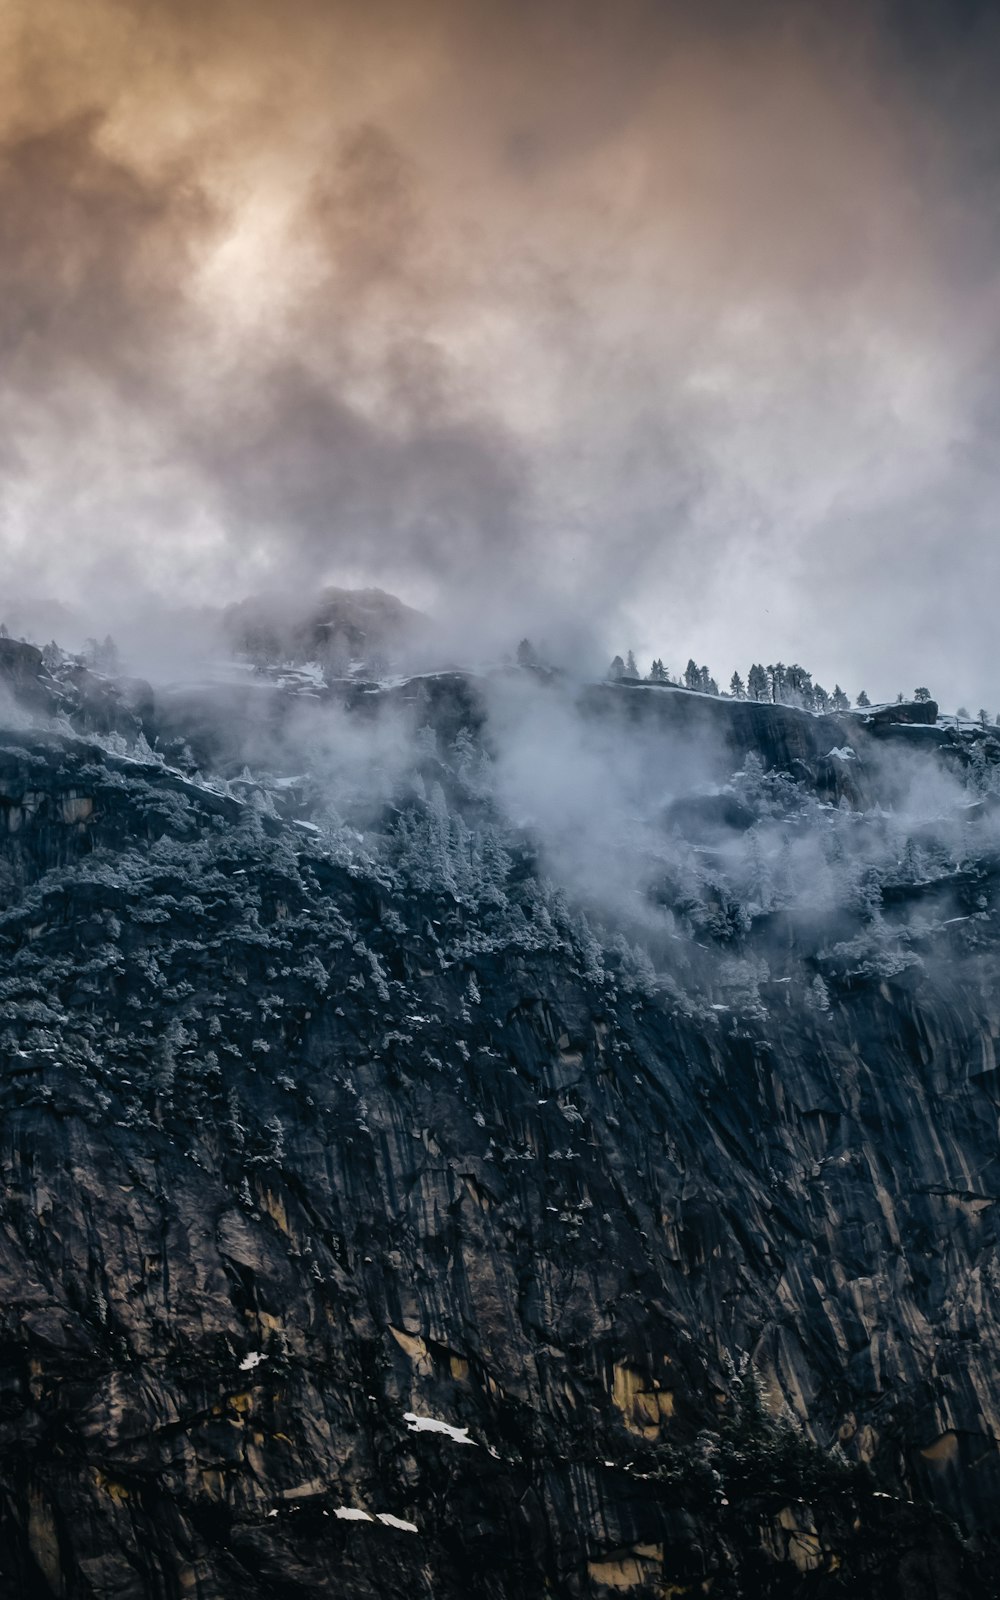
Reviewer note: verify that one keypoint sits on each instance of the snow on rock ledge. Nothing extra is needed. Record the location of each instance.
(431, 1425)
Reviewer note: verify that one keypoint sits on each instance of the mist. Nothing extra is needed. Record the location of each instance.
(639, 814)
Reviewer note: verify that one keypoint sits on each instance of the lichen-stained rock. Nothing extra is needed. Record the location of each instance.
(292, 1155)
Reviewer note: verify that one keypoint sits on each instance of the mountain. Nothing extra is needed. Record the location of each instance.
(335, 627)
(412, 1191)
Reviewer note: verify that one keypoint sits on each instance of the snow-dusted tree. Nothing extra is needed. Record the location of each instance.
(527, 656)
(102, 656)
(757, 683)
(798, 686)
(692, 676)
(862, 701)
(839, 700)
(736, 688)
(658, 672)
(922, 695)
(471, 764)
(760, 878)
(616, 671)
(818, 995)
(821, 700)
(631, 670)
(864, 892)
(494, 863)
(984, 718)
(962, 712)
(777, 680)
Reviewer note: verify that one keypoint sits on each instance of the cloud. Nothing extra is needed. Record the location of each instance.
(673, 325)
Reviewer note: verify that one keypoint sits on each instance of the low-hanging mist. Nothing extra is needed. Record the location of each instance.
(652, 813)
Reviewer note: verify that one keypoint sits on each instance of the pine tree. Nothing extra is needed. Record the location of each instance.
(798, 686)
(616, 671)
(692, 677)
(839, 700)
(777, 680)
(736, 688)
(757, 683)
(821, 700)
(103, 656)
(862, 701)
(526, 656)
(818, 995)
(631, 670)
(921, 695)
(658, 672)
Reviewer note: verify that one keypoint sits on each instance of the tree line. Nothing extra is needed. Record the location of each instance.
(774, 684)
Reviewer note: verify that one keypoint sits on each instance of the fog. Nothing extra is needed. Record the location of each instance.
(649, 326)
(645, 812)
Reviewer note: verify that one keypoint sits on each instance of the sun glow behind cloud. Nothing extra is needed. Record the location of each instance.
(672, 325)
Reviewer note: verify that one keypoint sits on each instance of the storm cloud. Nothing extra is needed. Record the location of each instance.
(670, 326)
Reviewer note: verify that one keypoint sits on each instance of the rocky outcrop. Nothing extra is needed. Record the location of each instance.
(21, 677)
(89, 701)
(334, 627)
(366, 1239)
(911, 713)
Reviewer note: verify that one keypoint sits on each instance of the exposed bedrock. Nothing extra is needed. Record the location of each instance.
(350, 1246)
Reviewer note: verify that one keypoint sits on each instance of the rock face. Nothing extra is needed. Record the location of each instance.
(336, 626)
(370, 1235)
(21, 676)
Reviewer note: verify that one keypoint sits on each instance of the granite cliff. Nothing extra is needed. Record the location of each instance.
(374, 1222)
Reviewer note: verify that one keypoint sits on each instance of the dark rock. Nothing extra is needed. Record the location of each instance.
(21, 675)
(913, 712)
(274, 1184)
(709, 816)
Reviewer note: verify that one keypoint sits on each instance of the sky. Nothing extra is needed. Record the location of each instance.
(651, 325)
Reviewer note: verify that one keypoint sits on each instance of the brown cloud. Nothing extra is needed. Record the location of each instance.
(637, 309)
(93, 258)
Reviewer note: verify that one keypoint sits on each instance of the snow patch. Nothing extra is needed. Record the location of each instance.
(842, 752)
(431, 1425)
(390, 1521)
(352, 1514)
(254, 1359)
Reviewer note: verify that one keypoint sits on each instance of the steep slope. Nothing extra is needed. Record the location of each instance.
(342, 1179)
